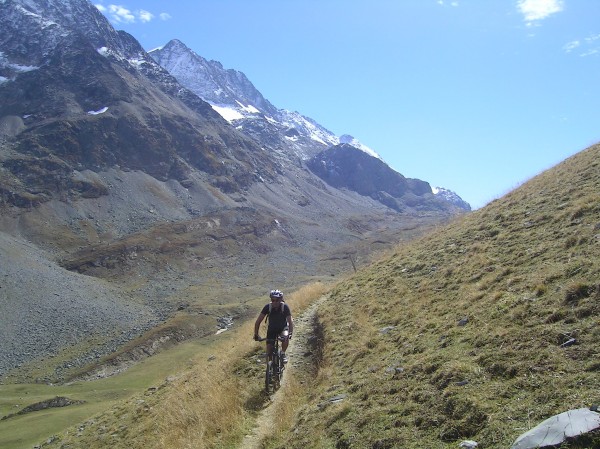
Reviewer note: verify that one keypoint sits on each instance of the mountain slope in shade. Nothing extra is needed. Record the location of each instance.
(344, 166)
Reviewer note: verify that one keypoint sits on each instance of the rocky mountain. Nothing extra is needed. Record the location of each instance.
(451, 197)
(344, 166)
(233, 96)
(119, 185)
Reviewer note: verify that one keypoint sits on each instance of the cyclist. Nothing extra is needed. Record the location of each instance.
(280, 320)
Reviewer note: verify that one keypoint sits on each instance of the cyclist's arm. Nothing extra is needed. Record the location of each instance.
(290, 321)
(259, 320)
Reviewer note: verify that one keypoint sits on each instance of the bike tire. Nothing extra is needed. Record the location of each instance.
(276, 373)
(281, 366)
(269, 378)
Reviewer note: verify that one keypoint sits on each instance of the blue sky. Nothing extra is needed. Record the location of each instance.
(475, 96)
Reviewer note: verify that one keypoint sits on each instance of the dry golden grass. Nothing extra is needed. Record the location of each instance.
(213, 404)
(207, 407)
(300, 299)
(201, 409)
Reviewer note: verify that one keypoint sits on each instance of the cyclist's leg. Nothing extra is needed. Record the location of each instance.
(286, 342)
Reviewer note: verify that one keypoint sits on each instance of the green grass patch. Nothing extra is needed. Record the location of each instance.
(98, 395)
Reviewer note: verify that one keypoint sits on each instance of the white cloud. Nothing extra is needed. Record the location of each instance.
(145, 16)
(592, 39)
(571, 46)
(533, 10)
(594, 51)
(121, 14)
(587, 47)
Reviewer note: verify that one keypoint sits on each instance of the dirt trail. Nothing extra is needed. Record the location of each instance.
(299, 361)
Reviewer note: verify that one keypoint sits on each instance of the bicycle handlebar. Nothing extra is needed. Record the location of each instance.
(271, 340)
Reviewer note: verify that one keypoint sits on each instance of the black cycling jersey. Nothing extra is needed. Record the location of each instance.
(277, 317)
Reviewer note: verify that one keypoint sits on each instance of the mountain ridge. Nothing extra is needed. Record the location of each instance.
(112, 168)
(232, 95)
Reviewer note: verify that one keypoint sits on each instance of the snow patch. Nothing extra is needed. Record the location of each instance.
(136, 62)
(106, 52)
(356, 144)
(251, 109)
(99, 111)
(22, 68)
(316, 138)
(228, 114)
(26, 12)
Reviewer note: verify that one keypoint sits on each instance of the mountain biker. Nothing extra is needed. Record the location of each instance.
(280, 320)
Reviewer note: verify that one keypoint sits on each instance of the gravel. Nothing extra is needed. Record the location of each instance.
(37, 322)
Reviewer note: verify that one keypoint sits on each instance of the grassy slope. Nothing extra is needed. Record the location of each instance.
(524, 271)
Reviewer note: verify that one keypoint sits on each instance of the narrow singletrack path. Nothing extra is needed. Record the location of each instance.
(300, 362)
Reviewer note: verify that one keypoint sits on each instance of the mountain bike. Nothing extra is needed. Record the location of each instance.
(275, 365)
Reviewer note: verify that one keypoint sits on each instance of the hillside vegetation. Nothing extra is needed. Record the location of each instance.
(477, 331)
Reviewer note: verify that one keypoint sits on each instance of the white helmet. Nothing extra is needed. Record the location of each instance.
(276, 294)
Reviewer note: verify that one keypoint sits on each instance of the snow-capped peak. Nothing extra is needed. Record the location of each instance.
(356, 144)
(451, 197)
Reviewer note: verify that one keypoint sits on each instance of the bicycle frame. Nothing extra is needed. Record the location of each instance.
(275, 365)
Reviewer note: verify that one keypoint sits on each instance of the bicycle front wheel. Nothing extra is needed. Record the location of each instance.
(280, 366)
(269, 378)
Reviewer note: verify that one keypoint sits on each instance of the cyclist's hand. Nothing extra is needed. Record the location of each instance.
(256, 338)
